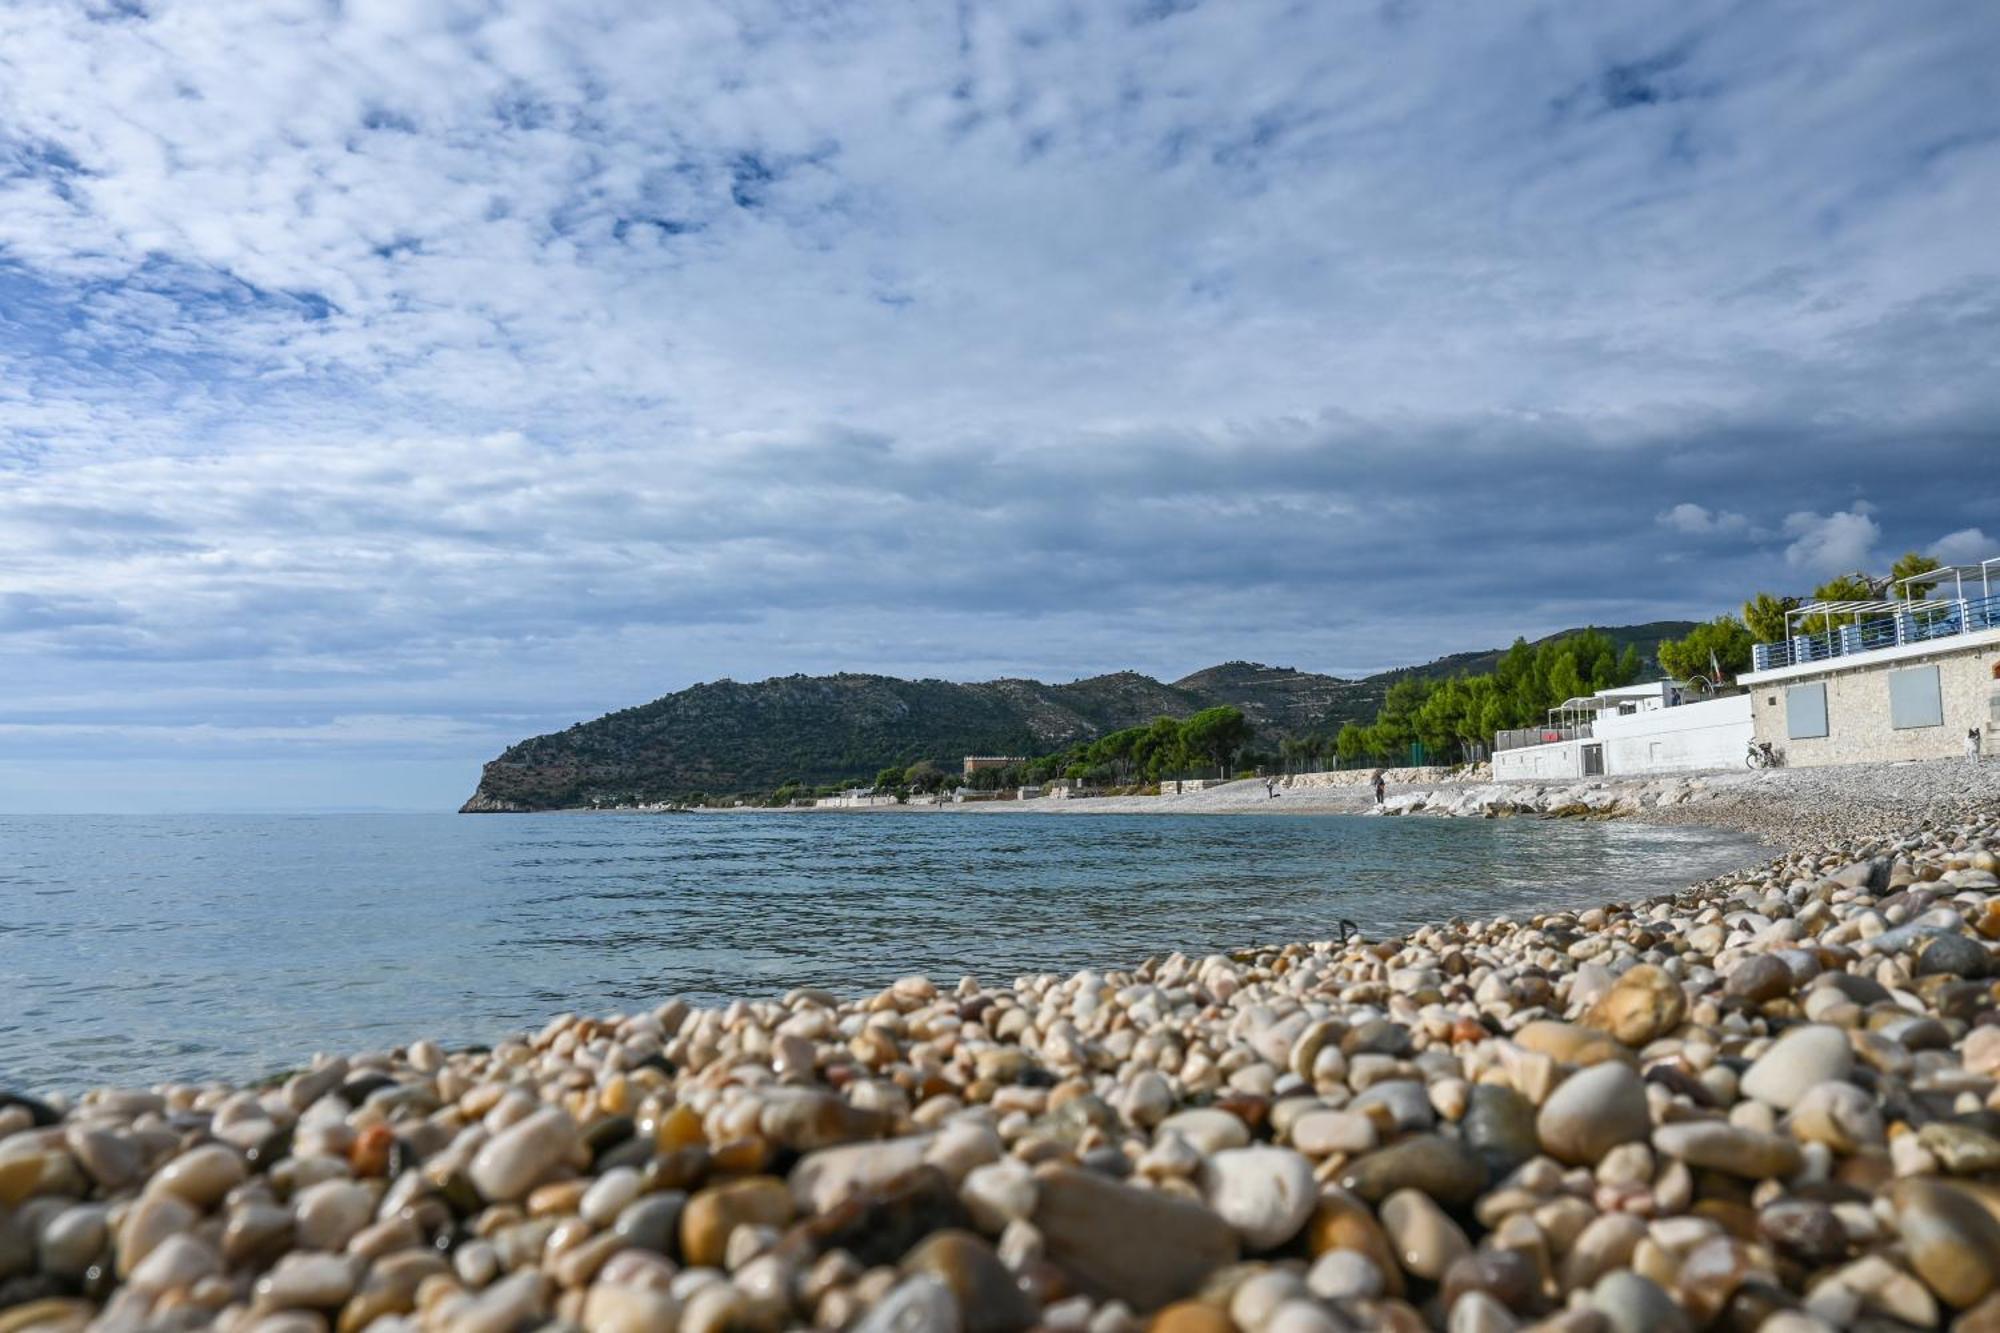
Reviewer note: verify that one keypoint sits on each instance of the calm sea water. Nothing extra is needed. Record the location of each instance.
(134, 949)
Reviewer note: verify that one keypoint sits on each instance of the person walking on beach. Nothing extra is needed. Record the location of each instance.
(1380, 786)
(1972, 746)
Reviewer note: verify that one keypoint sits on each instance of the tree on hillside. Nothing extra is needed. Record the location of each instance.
(889, 778)
(1215, 734)
(1764, 616)
(923, 776)
(1723, 641)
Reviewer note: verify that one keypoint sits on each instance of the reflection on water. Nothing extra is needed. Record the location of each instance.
(136, 949)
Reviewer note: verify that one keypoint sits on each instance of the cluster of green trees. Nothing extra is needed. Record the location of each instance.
(1725, 642)
(1209, 741)
(1442, 721)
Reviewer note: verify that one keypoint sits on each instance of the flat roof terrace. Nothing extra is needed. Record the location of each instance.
(1849, 628)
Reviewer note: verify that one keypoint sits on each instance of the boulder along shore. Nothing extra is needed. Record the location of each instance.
(1770, 1101)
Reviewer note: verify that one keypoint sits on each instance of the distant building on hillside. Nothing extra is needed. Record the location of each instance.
(1901, 678)
(975, 762)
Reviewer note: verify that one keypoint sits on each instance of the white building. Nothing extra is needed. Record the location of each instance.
(1902, 678)
(1630, 731)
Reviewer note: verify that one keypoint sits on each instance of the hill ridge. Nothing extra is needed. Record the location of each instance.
(727, 736)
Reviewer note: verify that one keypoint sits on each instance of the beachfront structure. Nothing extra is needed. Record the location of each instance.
(1904, 677)
(975, 762)
(856, 798)
(1630, 731)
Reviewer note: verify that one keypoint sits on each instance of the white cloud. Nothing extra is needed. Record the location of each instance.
(506, 360)
(1696, 521)
(1835, 543)
(1966, 546)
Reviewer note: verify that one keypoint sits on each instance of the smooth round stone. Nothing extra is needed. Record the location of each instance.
(1593, 1111)
(713, 1214)
(74, 1240)
(175, 1264)
(1642, 1006)
(1208, 1129)
(1142, 1247)
(1426, 1242)
(1953, 956)
(807, 1119)
(1259, 1296)
(989, 1300)
(1841, 1116)
(329, 1213)
(618, 1308)
(1568, 1043)
(307, 1280)
(149, 1222)
(1323, 1133)
(1758, 979)
(1266, 1194)
(1716, 1145)
(1803, 1058)
(1344, 1275)
(1805, 1230)
(109, 1157)
(202, 1176)
(1499, 1127)
(1342, 1222)
(1301, 1316)
(1952, 1241)
(1508, 1276)
(920, 1304)
(1477, 1312)
(1406, 1103)
(516, 1159)
(256, 1233)
(998, 1193)
(825, 1179)
(1442, 1168)
(1604, 1244)
(1633, 1304)
(608, 1196)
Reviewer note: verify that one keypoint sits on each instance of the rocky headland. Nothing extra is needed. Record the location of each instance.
(1770, 1101)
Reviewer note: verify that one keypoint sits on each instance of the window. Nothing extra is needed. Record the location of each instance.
(1914, 700)
(1805, 711)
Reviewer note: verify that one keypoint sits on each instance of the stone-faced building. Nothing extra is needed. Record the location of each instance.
(1875, 681)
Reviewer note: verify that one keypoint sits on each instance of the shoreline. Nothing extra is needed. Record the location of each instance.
(1783, 807)
(1762, 1098)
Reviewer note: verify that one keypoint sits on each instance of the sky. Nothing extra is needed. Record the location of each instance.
(383, 381)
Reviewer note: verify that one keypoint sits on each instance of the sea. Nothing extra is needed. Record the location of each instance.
(142, 949)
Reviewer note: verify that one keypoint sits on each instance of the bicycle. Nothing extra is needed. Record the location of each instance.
(1763, 754)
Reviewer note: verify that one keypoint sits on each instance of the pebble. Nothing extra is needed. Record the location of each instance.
(1593, 1111)
(519, 1156)
(1265, 1193)
(1765, 1102)
(1644, 1005)
(1425, 1241)
(1802, 1059)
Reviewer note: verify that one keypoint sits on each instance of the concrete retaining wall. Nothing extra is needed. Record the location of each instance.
(1712, 734)
(1555, 762)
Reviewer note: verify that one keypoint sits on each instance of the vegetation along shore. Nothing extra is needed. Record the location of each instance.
(1766, 1102)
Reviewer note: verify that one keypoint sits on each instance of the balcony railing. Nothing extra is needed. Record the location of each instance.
(1889, 631)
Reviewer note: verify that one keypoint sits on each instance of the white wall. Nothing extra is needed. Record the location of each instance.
(1712, 734)
(1562, 759)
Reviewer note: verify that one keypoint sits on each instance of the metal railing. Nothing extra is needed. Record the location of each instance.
(1961, 617)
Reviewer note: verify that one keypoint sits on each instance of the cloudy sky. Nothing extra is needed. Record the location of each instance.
(384, 380)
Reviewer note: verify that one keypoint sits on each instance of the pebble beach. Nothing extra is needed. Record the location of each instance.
(1770, 1101)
